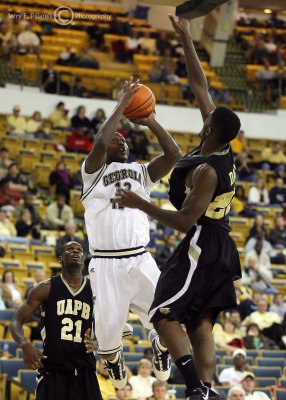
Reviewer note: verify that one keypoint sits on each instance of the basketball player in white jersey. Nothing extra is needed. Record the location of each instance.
(123, 274)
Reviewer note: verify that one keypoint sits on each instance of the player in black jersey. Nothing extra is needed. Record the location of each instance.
(197, 281)
(66, 370)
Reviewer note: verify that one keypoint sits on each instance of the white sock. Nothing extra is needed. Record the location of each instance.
(115, 360)
(160, 346)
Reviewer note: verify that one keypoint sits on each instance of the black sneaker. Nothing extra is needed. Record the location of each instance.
(117, 372)
(161, 359)
(203, 393)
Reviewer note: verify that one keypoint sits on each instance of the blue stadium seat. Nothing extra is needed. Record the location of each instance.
(180, 391)
(38, 344)
(12, 346)
(267, 372)
(274, 353)
(280, 394)
(8, 314)
(132, 366)
(282, 382)
(133, 357)
(140, 349)
(28, 378)
(11, 367)
(264, 382)
(139, 331)
(220, 353)
(252, 353)
(270, 362)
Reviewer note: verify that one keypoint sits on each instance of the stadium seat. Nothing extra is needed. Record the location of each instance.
(2, 331)
(133, 357)
(280, 394)
(282, 381)
(7, 315)
(270, 362)
(28, 378)
(229, 360)
(139, 331)
(10, 367)
(132, 366)
(140, 349)
(264, 382)
(274, 353)
(12, 346)
(180, 391)
(220, 353)
(267, 372)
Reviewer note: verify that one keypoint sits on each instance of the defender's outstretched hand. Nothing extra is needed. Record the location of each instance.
(126, 94)
(130, 199)
(180, 25)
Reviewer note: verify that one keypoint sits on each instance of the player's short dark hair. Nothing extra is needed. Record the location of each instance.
(225, 124)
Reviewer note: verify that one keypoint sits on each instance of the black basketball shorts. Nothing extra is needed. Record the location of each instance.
(198, 277)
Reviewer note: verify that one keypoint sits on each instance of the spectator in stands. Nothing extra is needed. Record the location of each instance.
(57, 114)
(78, 142)
(248, 384)
(142, 383)
(255, 340)
(277, 235)
(226, 338)
(235, 319)
(59, 213)
(181, 69)
(86, 60)
(236, 393)
(232, 376)
(12, 186)
(98, 119)
(273, 158)
(258, 227)
(162, 43)
(28, 204)
(125, 393)
(105, 385)
(158, 73)
(239, 206)
(165, 250)
(52, 82)
(159, 390)
(172, 77)
(278, 305)
(61, 180)
(69, 236)
(280, 78)
(239, 144)
(118, 27)
(11, 294)
(258, 194)
(7, 41)
(96, 36)
(247, 306)
(5, 161)
(244, 169)
(265, 78)
(25, 226)
(255, 275)
(148, 44)
(34, 122)
(15, 122)
(138, 142)
(68, 56)
(80, 120)
(133, 44)
(261, 257)
(259, 52)
(7, 228)
(275, 256)
(78, 89)
(269, 323)
(28, 41)
(277, 194)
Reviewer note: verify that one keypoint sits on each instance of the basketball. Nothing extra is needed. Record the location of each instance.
(142, 104)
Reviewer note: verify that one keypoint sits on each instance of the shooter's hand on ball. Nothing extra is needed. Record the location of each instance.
(130, 199)
(126, 94)
(145, 121)
(181, 26)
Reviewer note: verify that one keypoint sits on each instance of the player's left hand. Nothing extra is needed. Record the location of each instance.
(130, 199)
(90, 344)
(145, 121)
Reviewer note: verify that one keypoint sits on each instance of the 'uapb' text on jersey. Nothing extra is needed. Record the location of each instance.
(223, 164)
(108, 225)
(66, 316)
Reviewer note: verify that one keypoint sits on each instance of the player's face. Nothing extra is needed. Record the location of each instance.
(207, 125)
(118, 149)
(72, 255)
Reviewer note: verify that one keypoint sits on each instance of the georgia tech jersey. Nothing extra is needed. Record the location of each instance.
(223, 163)
(66, 316)
(110, 226)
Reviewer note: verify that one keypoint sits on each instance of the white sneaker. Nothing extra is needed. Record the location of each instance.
(161, 359)
(117, 372)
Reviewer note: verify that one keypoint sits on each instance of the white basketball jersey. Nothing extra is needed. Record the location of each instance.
(108, 226)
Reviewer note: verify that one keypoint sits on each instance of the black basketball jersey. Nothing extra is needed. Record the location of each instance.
(223, 163)
(66, 315)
